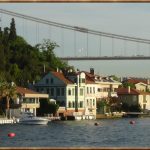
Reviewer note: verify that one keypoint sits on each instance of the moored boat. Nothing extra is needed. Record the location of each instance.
(28, 118)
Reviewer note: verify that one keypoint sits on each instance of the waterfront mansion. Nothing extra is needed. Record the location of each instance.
(76, 92)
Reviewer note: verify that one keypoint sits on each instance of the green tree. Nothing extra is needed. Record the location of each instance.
(15, 72)
(8, 91)
(2, 58)
(21, 62)
(48, 56)
(47, 107)
(114, 104)
(12, 34)
(101, 106)
(115, 78)
(127, 84)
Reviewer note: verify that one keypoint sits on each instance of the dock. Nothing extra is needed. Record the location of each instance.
(6, 121)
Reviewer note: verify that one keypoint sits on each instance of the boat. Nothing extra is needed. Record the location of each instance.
(29, 118)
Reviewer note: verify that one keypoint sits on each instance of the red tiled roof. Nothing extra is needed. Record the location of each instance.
(62, 77)
(135, 81)
(23, 90)
(89, 78)
(124, 91)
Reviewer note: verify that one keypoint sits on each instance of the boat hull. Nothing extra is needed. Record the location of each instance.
(34, 122)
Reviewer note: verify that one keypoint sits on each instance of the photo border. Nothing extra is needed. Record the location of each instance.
(74, 148)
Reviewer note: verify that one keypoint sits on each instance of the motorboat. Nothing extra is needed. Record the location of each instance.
(29, 118)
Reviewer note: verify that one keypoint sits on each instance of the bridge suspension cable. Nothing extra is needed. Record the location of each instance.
(76, 28)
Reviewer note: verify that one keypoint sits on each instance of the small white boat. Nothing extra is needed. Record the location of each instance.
(28, 118)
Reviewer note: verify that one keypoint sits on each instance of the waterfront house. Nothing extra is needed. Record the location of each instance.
(59, 88)
(106, 87)
(77, 92)
(140, 84)
(69, 89)
(28, 99)
(132, 96)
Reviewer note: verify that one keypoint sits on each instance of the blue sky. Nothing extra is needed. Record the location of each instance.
(119, 18)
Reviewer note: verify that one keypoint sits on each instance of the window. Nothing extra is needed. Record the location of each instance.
(37, 101)
(105, 89)
(90, 102)
(62, 91)
(73, 90)
(100, 90)
(81, 104)
(58, 91)
(82, 80)
(69, 104)
(81, 92)
(73, 104)
(37, 89)
(24, 100)
(41, 89)
(87, 102)
(32, 100)
(47, 81)
(94, 90)
(93, 102)
(78, 105)
(69, 91)
(47, 90)
(144, 106)
(87, 90)
(90, 89)
(52, 80)
(52, 91)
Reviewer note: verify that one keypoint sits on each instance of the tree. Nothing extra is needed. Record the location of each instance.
(8, 91)
(12, 34)
(20, 62)
(115, 78)
(127, 84)
(114, 104)
(2, 58)
(131, 108)
(48, 56)
(101, 106)
(47, 107)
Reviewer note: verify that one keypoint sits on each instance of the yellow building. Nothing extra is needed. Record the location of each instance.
(29, 99)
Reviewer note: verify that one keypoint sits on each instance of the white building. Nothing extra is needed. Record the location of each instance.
(106, 87)
(69, 90)
(76, 92)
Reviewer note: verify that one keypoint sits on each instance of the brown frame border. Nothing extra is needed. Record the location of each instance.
(74, 1)
(74, 148)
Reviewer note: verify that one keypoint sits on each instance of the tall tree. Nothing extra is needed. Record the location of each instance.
(12, 34)
(8, 91)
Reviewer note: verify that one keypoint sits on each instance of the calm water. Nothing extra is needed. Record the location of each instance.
(109, 133)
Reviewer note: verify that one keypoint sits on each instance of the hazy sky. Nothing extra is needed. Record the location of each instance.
(119, 18)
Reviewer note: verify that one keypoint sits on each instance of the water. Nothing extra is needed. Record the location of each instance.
(109, 133)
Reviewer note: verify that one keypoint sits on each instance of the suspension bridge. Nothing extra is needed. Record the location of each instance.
(80, 35)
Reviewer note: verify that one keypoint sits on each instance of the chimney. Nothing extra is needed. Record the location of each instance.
(57, 70)
(129, 90)
(92, 71)
(148, 82)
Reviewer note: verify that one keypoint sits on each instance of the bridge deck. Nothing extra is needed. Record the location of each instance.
(107, 58)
